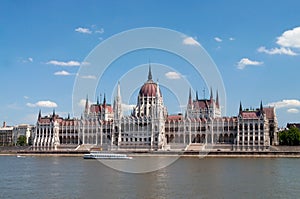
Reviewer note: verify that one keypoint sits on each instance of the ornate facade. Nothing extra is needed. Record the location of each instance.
(149, 127)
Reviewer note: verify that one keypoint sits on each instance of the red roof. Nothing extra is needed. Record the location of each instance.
(174, 117)
(96, 108)
(149, 89)
(202, 103)
(270, 112)
(250, 114)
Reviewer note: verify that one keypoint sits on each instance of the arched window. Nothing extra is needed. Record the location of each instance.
(261, 127)
(251, 126)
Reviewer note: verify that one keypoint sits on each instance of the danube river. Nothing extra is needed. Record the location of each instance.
(74, 177)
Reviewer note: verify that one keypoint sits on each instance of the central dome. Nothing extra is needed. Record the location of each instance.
(149, 88)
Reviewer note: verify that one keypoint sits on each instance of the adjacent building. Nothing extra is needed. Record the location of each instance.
(6, 135)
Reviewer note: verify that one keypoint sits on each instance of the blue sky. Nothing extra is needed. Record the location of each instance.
(254, 44)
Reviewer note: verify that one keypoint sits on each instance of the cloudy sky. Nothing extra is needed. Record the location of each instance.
(255, 46)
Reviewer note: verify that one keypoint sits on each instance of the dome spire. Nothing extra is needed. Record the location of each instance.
(149, 73)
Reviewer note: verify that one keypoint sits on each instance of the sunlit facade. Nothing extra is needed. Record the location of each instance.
(149, 127)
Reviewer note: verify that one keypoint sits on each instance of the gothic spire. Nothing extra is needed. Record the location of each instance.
(241, 108)
(149, 73)
(40, 114)
(118, 104)
(119, 91)
(86, 110)
(211, 94)
(217, 99)
(197, 96)
(97, 100)
(190, 97)
(104, 100)
(261, 107)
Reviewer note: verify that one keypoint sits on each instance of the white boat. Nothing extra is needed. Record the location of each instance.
(101, 155)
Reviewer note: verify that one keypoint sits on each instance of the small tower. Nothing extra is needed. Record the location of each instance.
(241, 108)
(217, 100)
(149, 73)
(190, 102)
(261, 107)
(40, 115)
(104, 100)
(159, 114)
(118, 104)
(211, 95)
(86, 109)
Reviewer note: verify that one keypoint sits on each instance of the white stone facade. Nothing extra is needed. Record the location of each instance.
(151, 128)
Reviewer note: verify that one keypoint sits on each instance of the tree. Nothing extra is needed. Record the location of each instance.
(21, 140)
(290, 137)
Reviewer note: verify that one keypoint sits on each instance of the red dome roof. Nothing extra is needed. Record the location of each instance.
(148, 89)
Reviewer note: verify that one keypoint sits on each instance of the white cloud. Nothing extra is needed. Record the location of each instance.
(88, 77)
(231, 39)
(26, 60)
(273, 51)
(100, 31)
(290, 38)
(61, 63)
(46, 104)
(62, 73)
(172, 75)
(247, 62)
(83, 30)
(293, 110)
(26, 97)
(285, 103)
(218, 39)
(82, 102)
(190, 41)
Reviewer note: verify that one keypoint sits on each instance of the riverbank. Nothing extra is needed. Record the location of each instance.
(276, 152)
(212, 154)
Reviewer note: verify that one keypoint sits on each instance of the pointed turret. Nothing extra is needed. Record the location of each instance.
(261, 107)
(241, 108)
(97, 100)
(197, 96)
(190, 102)
(118, 104)
(149, 73)
(68, 116)
(157, 90)
(53, 116)
(217, 99)
(119, 92)
(86, 109)
(104, 100)
(211, 94)
(40, 114)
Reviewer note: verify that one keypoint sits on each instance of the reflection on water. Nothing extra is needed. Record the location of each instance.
(139, 164)
(73, 177)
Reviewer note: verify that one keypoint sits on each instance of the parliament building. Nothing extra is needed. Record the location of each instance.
(150, 127)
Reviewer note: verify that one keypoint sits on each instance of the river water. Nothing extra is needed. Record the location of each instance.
(74, 177)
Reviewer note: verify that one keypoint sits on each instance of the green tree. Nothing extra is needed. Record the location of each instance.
(21, 140)
(290, 137)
